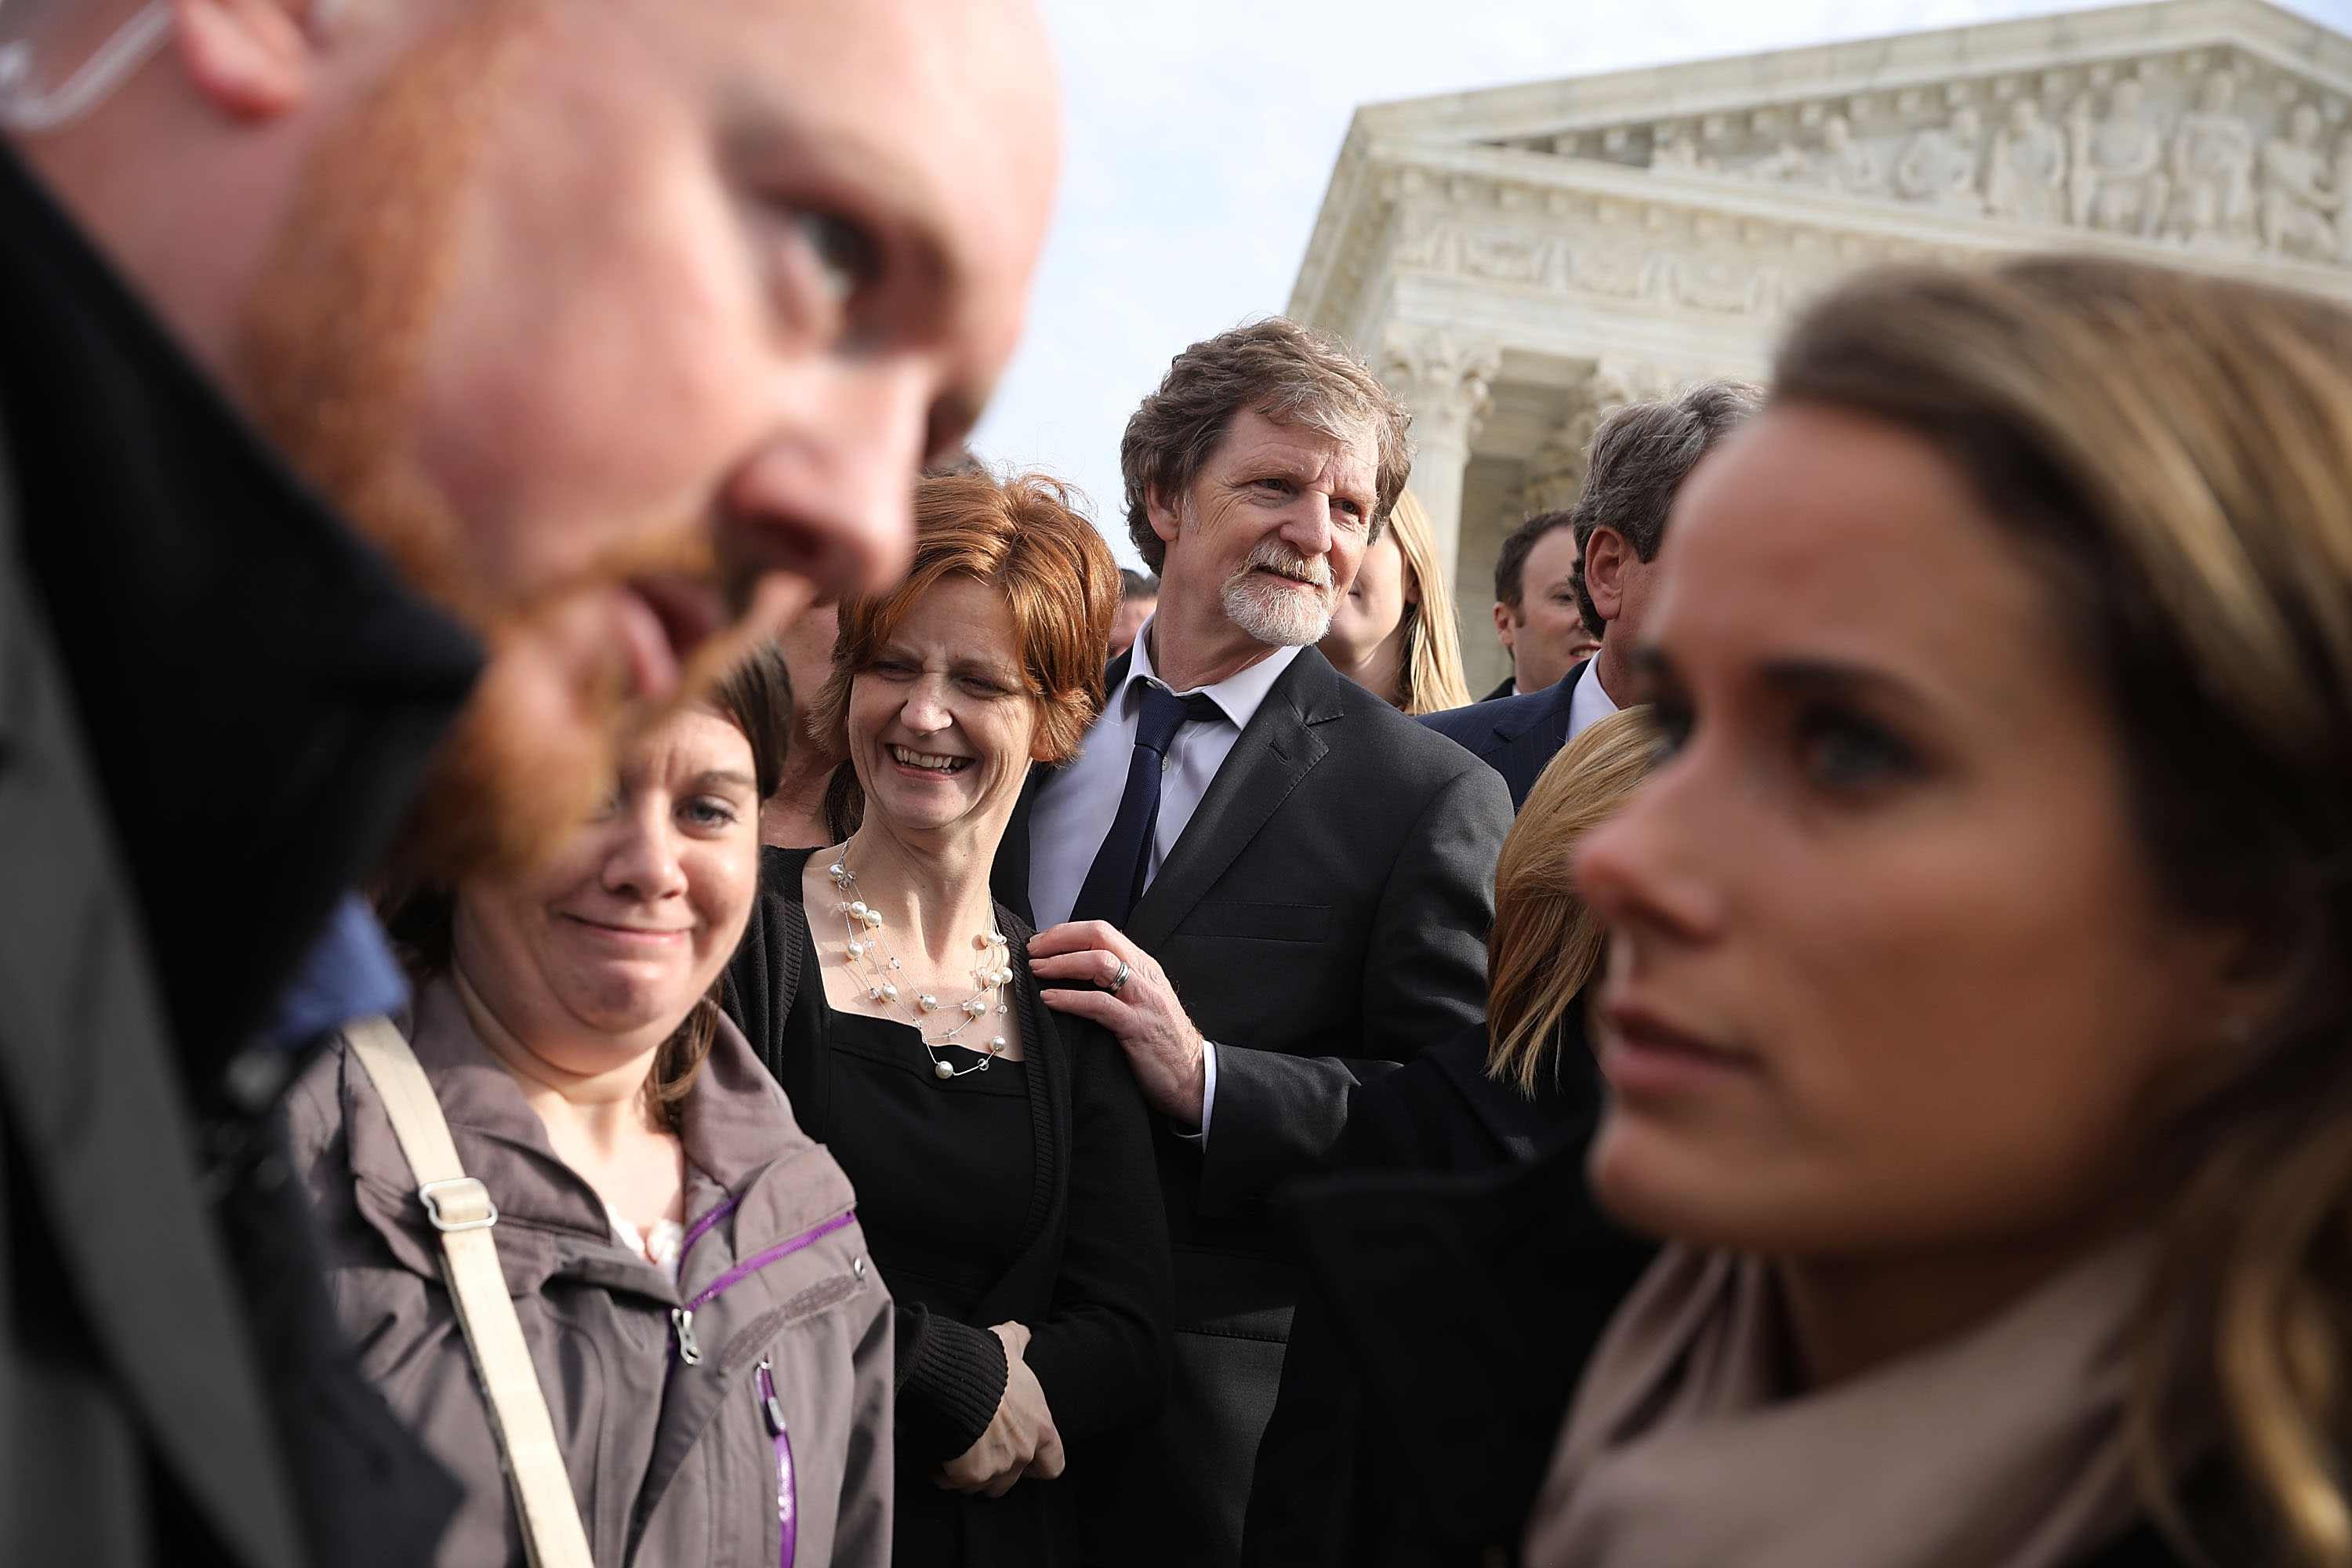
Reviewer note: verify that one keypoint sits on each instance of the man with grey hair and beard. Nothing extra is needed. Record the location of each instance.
(1267, 884)
(399, 401)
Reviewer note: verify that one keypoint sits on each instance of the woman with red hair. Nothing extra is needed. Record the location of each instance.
(1001, 1154)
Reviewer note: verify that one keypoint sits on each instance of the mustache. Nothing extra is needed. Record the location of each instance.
(1275, 554)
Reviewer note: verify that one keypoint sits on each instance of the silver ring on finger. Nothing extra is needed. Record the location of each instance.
(1120, 978)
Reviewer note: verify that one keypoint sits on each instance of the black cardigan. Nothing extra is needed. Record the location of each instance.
(1092, 1281)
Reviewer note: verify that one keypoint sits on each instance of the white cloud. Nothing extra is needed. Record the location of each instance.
(1202, 133)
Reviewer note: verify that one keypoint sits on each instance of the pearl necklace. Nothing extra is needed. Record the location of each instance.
(991, 971)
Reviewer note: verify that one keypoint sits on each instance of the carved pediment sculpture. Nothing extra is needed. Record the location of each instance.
(2209, 147)
(1940, 166)
(2213, 166)
(2025, 175)
(2299, 208)
(2118, 180)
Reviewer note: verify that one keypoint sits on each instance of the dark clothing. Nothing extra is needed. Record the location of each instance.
(214, 703)
(1466, 1308)
(1517, 736)
(1440, 1111)
(1088, 1272)
(1438, 1114)
(911, 1137)
(1323, 917)
(1509, 688)
(2143, 1548)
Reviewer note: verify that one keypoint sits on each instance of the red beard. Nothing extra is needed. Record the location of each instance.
(328, 361)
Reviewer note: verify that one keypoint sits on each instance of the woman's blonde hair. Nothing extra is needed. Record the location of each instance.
(1544, 943)
(2173, 454)
(1431, 669)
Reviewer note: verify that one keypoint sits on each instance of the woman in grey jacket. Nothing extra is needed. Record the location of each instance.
(687, 1264)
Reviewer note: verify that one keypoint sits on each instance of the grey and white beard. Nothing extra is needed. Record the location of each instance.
(1276, 617)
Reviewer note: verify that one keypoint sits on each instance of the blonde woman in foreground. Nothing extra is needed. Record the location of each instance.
(1395, 634)
(1976, 1023)
(1975, 1027)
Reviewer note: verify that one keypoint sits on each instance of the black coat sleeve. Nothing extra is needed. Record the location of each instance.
(1102, 1355)
(950, 1378)
(1425, 978)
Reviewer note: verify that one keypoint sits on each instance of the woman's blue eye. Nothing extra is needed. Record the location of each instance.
(1846, 751)
(1673, 721)
(705, 812)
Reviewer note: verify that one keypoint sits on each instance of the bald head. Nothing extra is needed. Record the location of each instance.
(634, 317)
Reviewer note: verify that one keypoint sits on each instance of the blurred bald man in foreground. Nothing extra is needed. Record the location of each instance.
(584, 339)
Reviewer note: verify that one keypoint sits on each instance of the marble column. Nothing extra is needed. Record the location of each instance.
(1445, 379)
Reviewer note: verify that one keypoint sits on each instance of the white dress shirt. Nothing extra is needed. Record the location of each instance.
(1075, 807)
(1588, 701)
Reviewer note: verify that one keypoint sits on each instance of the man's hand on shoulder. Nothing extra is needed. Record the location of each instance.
(1087, 957)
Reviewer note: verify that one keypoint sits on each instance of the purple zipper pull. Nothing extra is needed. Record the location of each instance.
(787, 1521)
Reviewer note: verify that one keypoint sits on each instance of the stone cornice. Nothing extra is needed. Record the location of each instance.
(1969, 142)
(2033, 45)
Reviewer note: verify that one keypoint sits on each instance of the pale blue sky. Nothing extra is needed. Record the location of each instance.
(1201, 134)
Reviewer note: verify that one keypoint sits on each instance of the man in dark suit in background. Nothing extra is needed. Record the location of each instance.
(1640, 457)
(1539, 618)
(1267, 883)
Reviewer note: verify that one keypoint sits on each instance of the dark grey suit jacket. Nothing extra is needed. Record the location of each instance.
(1323, 917)
(1516, 736)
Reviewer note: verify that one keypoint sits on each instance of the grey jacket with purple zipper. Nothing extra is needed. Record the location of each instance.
(738, 1419)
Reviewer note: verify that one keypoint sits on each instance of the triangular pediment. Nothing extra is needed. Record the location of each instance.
(1519, 261)
(2217, 124)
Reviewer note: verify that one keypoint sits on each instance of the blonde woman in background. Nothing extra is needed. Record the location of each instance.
(1497, 1095)
(1395, 634)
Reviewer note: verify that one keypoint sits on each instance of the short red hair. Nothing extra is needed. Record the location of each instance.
(1022, 536)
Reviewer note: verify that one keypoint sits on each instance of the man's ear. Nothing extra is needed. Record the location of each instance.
(1162, 516)
(1606, 554)
(251, 59)
(1504, 623)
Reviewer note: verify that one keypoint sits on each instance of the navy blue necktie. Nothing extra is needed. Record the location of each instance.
(1115, 881)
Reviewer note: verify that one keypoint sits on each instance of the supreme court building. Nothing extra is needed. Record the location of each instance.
(1519, 261)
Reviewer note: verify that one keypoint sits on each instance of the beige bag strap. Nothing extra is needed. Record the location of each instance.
(460, 1209)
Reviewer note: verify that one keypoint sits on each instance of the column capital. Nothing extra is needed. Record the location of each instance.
(1556, 472)
(1446, 378)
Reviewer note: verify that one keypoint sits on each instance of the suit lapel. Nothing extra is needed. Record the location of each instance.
(1278, 749)
(1552, 718)
(1562, 705)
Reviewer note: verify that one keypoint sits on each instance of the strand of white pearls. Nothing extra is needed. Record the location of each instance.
(991, 972)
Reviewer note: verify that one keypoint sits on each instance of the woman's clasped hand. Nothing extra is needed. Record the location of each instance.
(1019, 1440)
